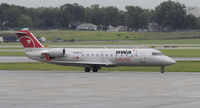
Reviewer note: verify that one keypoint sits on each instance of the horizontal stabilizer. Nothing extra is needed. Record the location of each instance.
(21, 33)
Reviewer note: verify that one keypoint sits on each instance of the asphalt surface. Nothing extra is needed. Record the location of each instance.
(15, 59)
(65, 89)
(18, 59)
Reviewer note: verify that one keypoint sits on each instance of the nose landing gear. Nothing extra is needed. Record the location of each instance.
(162, 69)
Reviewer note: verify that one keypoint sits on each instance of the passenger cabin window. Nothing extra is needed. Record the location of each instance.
(157, 54)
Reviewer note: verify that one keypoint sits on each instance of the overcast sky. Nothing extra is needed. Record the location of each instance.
(149, 4)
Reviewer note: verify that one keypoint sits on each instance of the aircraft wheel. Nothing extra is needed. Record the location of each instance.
(87, 69)
(95, 69)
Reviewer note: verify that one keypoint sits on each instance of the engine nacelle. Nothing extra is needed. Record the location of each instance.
(55, 52)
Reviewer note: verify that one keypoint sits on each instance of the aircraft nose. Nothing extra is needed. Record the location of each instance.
(167, 61)
(170, 61)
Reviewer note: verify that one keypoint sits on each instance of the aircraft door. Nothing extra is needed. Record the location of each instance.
(142, 58)
(102, 54)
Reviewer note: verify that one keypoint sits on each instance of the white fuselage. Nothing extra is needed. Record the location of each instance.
(105, 57)
(92, 59)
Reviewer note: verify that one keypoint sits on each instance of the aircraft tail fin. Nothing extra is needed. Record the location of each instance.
(28, 40)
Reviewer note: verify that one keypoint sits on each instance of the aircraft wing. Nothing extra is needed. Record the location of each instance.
(83, 63)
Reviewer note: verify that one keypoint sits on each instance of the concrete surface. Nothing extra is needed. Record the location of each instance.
(186, 58)
(58, 89)
(12, 50)
(15, 59)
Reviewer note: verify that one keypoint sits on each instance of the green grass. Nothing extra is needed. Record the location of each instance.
(181, 52)
(10, 44)
(132, 42)
(99, 35)
(135, 37)
(179, 67)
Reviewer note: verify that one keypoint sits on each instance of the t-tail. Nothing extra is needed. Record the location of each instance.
(28, 40)
(35, 50)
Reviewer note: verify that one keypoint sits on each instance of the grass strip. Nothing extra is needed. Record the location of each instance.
(181, 52)
(118, 42)
(188, 66)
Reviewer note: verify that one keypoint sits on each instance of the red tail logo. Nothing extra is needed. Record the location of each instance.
(28, 40)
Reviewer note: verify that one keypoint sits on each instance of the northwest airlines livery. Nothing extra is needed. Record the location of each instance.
(92, 59)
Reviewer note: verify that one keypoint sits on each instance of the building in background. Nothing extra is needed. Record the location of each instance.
(87, 26)
(116, 29)
(9, 38)
(111, 28)
(1, 39)
(41, 39)
(153, 27)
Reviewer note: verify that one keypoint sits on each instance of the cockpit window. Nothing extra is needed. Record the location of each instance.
(157, 54)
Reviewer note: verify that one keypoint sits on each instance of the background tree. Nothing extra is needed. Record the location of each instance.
(10, 17)
(137, 17)
(68, 16)
(25, 21)
(94, 14)
(48, 15)
(72, 13)
(111, 16)
(170, 14)
(191, 22)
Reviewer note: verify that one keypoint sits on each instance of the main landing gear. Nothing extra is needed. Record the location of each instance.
(94, 69)
(162, 69)
(87, 69)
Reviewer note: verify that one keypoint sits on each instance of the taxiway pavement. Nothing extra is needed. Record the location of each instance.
(15, 59)
(66, 89)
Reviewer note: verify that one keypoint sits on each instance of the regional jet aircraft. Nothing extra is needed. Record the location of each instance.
(92, 59)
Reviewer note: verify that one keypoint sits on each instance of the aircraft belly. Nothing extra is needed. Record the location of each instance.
(68, 64)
